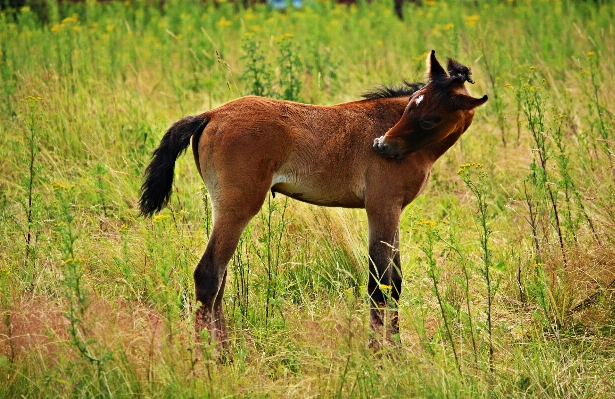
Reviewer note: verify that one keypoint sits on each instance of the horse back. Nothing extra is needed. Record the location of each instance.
(317, 154)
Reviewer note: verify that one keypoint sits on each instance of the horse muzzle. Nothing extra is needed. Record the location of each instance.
(388, 149)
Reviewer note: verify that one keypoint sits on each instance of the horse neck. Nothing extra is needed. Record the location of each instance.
(397, 104)
(436, 150)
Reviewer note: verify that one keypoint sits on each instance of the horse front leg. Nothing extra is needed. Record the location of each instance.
(384, 284)
(396, 282)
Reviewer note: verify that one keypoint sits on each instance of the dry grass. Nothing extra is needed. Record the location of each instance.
(102, 112)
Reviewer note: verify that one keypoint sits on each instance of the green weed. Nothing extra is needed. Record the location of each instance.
(113, 75)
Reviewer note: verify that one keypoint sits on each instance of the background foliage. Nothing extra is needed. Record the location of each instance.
(508, 255)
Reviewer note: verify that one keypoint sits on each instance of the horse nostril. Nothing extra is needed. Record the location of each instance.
(379, 146)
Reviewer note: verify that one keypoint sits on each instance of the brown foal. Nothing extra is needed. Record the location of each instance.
(376, 154)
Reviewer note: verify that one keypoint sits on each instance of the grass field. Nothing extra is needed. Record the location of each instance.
(509, 256)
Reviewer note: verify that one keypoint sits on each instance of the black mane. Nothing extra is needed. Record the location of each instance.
(406, 89)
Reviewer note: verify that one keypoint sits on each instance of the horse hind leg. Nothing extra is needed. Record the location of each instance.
(231, 216)
(210, 275)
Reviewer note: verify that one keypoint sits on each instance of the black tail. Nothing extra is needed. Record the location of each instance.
(158, 183)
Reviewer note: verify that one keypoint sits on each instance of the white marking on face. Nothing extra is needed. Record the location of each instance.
(418, 100)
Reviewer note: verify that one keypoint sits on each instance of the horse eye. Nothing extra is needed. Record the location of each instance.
(428, 123)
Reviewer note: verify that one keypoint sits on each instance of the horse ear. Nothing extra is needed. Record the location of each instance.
(434, 69)
(467, 103)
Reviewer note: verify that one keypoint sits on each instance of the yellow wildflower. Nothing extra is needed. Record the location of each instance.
(158, 218)
(224, 22)
(465, 166)
(72, 18)
(471, 20)
(424, 222)
(420, 57)
(73, 260)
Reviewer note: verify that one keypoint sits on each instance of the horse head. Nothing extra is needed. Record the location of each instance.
(440, 109)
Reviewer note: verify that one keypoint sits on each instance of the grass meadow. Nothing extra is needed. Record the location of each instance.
(509, 255)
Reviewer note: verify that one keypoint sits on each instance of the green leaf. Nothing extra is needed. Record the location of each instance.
(500, 265)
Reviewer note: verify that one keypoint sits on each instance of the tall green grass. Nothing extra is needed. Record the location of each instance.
(508, 275)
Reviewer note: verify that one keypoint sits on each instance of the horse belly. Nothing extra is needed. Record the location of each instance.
(317, 191)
